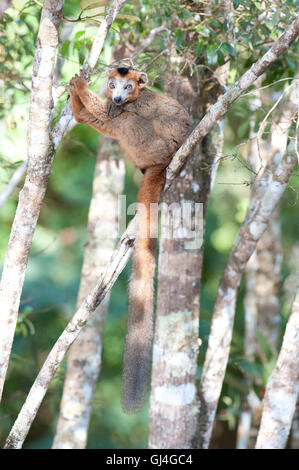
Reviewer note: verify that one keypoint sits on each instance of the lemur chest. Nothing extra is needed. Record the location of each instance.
(142, 140)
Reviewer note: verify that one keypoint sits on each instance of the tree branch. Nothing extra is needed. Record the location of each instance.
(36, 181)
(28, 412)
(220, 108)
(266, 195)
(84, 360)
(13, 183)
(42, 147)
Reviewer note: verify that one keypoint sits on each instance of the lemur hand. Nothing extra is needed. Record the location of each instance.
(77, 81)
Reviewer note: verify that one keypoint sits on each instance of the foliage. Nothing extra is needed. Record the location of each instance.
(207, 39)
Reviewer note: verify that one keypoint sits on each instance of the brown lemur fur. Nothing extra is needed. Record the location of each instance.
(150, 127)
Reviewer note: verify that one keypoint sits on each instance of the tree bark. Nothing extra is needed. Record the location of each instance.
(84, 360)
(263, 270)
(265, 197)
(92, 301)
(42, 147)
(32, 194)
(174, 404)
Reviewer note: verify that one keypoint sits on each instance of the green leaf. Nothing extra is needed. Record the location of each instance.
(275, 18)
(203, 31)
(212, 56)
(265, 346)
(290, 62)
(91, 4)
(179, 37)
(198, 47)
(128, 17)
(249, 367)
(220, 57)
(243, 130)
(94, 12)
(228, 49)
(65, 47)
(79, 34)
(236, 3)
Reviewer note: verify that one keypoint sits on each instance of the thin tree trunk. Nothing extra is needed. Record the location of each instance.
(42, 147)
(84, 360)
(265, 197)
(32, 194)
(121, 255)
(263, 270)
(269, 250)
(13, 183)
(282, 388)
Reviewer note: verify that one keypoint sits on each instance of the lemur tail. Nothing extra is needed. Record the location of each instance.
(138, 346)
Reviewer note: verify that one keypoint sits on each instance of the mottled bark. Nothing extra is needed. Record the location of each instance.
(174, 403)
(32, 194)
(269, 250)
(282, 388)
(251, 313)
(263, 271)
(84, 359)
(38, 390)
(266, 195)
(42, 146)
(121, 255)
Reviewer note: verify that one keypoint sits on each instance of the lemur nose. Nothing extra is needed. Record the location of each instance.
(117, 99)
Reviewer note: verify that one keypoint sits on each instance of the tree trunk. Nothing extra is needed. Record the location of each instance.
(42, 146)
(84, 359)
(32, 194)
(264, 199)
(282, 388)
(174, 402)
(263, 271)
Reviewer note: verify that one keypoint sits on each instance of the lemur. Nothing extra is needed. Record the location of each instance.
(150, 127)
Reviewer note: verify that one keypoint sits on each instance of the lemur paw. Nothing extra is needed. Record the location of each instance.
(77, 81)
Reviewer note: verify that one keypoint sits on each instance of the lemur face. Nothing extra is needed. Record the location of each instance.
(124, 84)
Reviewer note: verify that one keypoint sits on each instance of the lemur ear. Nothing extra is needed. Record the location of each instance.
(142, 79)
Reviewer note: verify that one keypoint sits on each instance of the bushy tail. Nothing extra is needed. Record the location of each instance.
(138, 346)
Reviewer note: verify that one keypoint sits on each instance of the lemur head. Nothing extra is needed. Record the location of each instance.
(124, 84)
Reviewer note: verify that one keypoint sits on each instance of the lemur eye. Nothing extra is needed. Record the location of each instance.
(111, 85)
(128, 87)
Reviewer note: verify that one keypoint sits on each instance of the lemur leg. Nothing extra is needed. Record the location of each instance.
(92, 102)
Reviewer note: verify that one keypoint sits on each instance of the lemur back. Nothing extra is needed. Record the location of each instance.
(150, 127)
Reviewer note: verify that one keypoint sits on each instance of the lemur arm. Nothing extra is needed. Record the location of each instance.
(81, 114)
